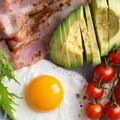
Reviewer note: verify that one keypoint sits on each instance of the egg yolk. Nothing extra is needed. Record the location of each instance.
(44, 93)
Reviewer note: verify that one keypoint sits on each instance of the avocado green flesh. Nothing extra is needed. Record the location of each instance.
(73, 40)
(67, 28)
(100, 16)
(56, 53)
(82, 32)
(66, 43)
(92, 36)
(64, 46)
(114, 23)
(85, 36)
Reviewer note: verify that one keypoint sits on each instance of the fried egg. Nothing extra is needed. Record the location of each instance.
(44, 93)
(48, 92)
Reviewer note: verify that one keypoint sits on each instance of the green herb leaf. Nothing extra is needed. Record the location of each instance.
(6, 97)
(6, 101)
(6, 68)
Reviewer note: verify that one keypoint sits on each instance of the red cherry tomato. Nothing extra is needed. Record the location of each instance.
(104, 74)
(112, 112)
(117, 94)
(114, 57)
(94, 111)
(93, 91)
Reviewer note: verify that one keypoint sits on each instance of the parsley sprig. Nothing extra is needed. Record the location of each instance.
(6, 97)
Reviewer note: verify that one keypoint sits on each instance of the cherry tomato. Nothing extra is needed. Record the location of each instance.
(112, 112)
(114, 57)
(117, 94)
(93, 91)
(94, 111)
(104, 74)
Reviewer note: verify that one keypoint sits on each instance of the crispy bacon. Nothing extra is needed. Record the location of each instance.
(27, 26)
(38, 25)
(14, 13)
(31, 53)
(9, 6)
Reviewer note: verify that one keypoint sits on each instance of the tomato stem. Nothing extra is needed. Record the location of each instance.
(106, 88)
(118, 77)
(111, 93)
(93, 101)
(99, 83)
(115, 49)
(106, 62)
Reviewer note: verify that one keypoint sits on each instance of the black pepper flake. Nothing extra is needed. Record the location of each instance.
(61, 5)
(43, 21)
(84, 86)
(84, 97)
(81, 106)
(87, 1)
(77, 95)
(39, 52)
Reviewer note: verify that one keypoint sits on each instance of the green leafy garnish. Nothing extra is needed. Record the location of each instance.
(6, 97)
(6, 68)
(6, 101)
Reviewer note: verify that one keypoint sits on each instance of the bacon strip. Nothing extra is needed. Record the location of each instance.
(38, 25)
(27, 28)
(14, 13)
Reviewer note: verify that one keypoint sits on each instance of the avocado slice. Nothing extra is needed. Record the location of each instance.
(92, 36)
(66, 43)
(100, 16)
(114, 23)
(58, 52)
(85, 36)
(65, 51)
(74, 41)
(66, 31)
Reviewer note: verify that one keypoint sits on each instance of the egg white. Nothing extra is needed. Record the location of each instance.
(71, 81)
